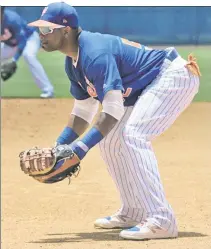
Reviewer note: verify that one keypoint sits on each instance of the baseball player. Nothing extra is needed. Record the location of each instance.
(142, 92)
(18, 39)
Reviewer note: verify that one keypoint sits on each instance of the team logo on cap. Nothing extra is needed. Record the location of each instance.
(64, 21)
(44, 11)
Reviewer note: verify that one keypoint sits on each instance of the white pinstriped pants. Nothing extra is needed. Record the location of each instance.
(127, 149)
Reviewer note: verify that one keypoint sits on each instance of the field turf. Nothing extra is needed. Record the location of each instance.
(23, 86)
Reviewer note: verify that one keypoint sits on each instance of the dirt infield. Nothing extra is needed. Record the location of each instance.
(36, 215)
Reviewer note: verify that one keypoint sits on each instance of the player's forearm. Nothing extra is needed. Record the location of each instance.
(75, 127)
(105, 123)
(113, 111)
(18, 54)
(78, 124)
(81, 116)
(103, 126)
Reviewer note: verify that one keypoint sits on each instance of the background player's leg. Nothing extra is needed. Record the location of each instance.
(111, 151)
(37, 70)
(155, 111)
(7, 52)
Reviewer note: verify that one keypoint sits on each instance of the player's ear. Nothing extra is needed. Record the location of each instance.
(66, 31)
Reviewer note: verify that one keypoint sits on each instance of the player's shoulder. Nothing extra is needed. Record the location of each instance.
(94, 44)
(11, 13)
(12, 16)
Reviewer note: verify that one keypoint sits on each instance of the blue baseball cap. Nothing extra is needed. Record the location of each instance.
(56, 15)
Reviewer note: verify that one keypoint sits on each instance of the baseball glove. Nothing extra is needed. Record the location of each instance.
(50, 165)
(8, 69)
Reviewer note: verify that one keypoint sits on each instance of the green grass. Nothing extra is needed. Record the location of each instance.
(22, 84)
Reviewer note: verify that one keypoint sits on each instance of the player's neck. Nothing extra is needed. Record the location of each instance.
(70, 47)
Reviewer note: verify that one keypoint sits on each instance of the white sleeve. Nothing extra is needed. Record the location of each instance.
(113, 104)
(85, 109)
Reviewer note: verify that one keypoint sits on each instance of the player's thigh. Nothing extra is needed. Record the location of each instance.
(7, 52)
(161, 103)
(32, 46)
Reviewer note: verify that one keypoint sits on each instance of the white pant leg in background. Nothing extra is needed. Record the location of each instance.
(37, 70)
(7, 52)
(30, 56)
(115, 158)
(154, 112)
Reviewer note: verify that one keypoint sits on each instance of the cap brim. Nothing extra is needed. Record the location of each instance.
(43, 23)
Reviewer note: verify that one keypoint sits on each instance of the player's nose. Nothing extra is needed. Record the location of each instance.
(41, 36)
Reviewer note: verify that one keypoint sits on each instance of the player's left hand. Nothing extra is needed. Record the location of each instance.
(8, 69)
(50, 165)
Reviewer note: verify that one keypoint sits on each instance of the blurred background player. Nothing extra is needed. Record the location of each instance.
(19, 39)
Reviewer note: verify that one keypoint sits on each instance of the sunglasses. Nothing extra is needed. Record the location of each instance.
(48, 30)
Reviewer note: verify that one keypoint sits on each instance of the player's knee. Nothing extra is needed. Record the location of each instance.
(132, 132)
(29, 58)
(110, 145)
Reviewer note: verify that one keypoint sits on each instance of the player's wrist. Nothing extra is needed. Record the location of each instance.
(67, 136)
(81, 147)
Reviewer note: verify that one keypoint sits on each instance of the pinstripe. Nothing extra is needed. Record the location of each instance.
(128, 182)
(159, 186)
(141, 209)
(138, 180)
(143, 178)
(135, 214)
(137, 125)
(112, 148)
(186, 102)
(163, 197)
(155, 161)
(169, 119)
(170, 105)
(126, 177)
(183, 99)
(146, 163)
(128, 150)
(107, 152)
(161, 111)
(131, 187)
(165, 126)
(118, 179)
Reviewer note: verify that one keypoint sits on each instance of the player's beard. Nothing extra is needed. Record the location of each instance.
(51, 46)
(47, 48)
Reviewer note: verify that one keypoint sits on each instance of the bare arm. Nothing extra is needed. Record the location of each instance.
(113, 111)
(105, 123)
(78, 124)
(81, 116)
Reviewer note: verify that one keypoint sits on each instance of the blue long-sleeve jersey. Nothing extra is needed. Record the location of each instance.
(107, 62)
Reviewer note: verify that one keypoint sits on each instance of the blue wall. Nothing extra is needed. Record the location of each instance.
(148, 25)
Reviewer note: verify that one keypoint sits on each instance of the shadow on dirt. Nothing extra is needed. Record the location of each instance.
(112, 235)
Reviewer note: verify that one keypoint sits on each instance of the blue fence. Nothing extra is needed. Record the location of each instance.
(148, 25)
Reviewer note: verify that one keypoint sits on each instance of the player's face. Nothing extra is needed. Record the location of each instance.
(52, 40)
